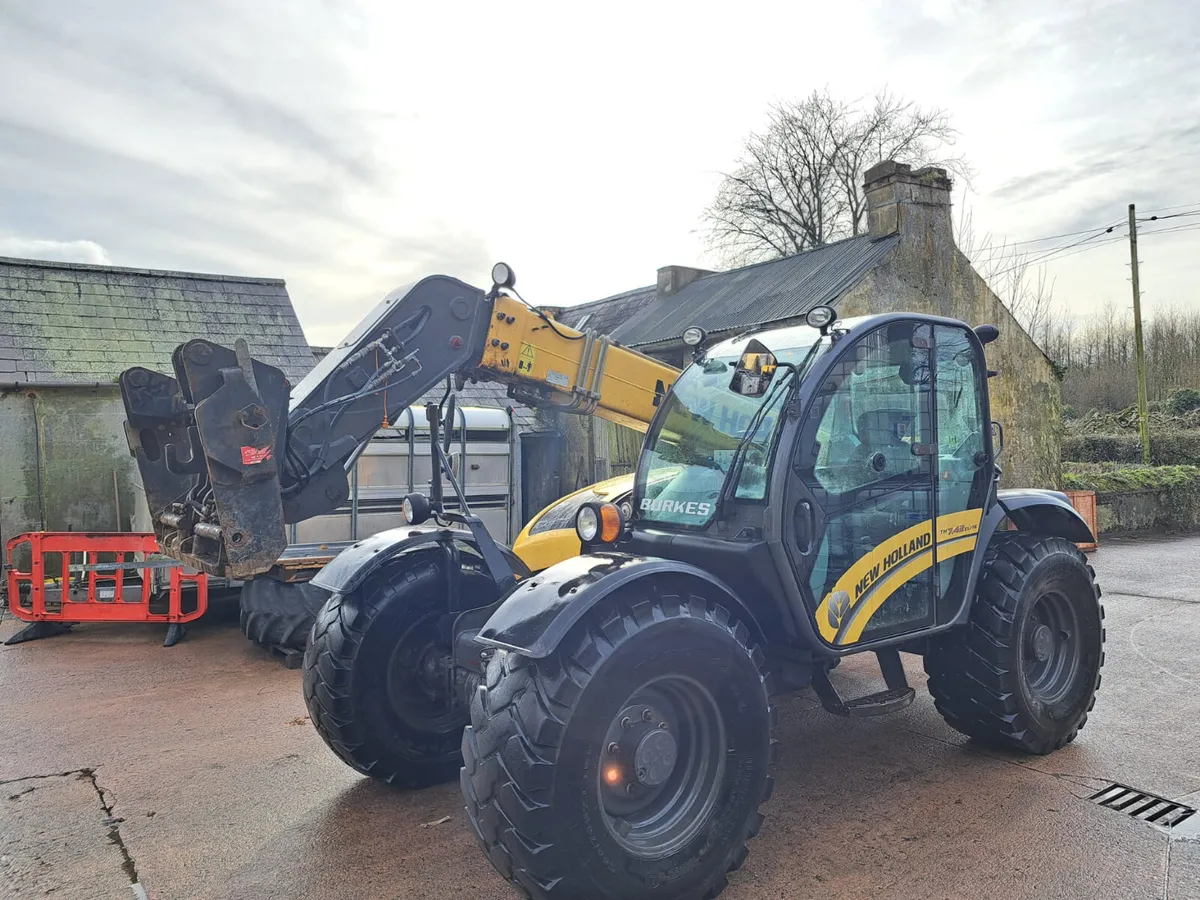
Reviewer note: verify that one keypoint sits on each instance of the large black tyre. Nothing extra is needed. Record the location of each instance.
(274, 613)
(1023, 674)
(538, 762)
(375, 682)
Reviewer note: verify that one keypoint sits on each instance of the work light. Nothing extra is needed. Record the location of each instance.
(821, 316)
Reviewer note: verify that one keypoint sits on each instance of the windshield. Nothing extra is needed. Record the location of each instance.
(690, 450)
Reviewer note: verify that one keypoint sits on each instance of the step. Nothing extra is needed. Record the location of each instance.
(880, 704)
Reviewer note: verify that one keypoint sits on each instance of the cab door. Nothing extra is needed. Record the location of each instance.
(866, 490)
(965, 467)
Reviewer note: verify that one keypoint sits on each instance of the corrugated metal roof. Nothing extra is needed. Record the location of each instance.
(73, 323)
(605, 315)
(755, 295)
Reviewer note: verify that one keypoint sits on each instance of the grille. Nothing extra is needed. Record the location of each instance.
(1140, 805)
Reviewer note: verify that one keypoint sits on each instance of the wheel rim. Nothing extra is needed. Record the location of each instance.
(418, 681)
(1052, 648)
(662, 766)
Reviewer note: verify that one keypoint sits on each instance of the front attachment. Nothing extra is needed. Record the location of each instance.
(207, 444)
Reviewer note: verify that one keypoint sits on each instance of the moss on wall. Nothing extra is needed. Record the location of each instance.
(1025, 395)
(73, 439)
(1139, 498)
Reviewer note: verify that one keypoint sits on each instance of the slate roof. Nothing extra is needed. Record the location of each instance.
(71, 323)
(754, 295)
(604, 316)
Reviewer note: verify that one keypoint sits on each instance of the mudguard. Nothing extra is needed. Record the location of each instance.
(1045, 512)
(354, 565)
(538, 613)
(1034, 511)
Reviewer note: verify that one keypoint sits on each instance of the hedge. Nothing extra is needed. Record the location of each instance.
(1139, 498)
(1109, 479)
(1167, 448)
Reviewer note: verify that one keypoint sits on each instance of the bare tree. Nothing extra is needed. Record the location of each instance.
(798, 184)
(1014, 276)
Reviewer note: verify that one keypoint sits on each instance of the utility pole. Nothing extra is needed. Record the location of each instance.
(1138, 349)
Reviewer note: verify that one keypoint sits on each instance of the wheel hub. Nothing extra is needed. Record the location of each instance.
(1043, 642)
(654, 759)
(641, 751)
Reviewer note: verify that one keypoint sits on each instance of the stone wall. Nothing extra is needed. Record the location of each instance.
(1024, 396)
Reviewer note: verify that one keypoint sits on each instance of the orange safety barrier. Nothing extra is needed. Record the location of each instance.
(1085, 504)
(96, 579)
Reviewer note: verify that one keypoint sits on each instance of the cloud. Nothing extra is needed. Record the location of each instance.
(56, 251)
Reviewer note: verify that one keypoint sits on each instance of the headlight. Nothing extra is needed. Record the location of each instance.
(626, 510)
(693, 336)
(599, 523)
(587, 523)
(415, 508)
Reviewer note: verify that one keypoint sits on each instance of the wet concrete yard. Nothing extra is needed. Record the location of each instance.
(193, 772)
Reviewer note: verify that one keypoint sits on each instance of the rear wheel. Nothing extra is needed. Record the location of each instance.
(279, 614)
(630, 763)
(1024, 672)
(377, 675)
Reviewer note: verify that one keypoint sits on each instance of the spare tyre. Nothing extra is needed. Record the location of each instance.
(278, 614)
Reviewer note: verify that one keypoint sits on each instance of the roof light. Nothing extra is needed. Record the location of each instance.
(503, 275)
(694, 336)
(821, 317)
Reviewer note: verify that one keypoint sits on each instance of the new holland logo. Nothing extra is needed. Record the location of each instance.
(863, 588)
(838, 605)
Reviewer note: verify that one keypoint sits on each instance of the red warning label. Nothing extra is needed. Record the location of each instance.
(252, 456)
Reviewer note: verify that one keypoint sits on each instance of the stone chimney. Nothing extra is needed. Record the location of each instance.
(673, 279)
(912, 204)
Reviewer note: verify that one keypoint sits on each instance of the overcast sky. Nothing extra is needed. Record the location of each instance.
(350, 147)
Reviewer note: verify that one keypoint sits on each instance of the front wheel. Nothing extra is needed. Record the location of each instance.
(631, 762)
(1024, 672)
(378, 674)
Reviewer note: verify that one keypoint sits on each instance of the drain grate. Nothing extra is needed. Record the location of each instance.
(1140, 805)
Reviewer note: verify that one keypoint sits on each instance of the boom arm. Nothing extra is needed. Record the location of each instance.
(227, 459)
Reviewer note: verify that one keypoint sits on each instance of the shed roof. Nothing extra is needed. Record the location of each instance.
(73, 323)
(754, 295)
(604, 316)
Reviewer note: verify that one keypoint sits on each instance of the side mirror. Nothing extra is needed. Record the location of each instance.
(986, 333)
(448, 423)
(754, 370)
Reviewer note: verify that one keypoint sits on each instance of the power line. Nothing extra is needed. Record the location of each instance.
(1165, 208)
(1182, 215)
(1193, 226)
(1056, 255)
(1001, 247)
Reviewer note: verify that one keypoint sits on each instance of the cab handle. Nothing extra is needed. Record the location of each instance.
(805, 527)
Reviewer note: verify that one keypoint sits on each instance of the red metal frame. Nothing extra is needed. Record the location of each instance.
(94, 608)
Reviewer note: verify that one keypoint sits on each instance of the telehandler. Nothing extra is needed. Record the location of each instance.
(803, 494)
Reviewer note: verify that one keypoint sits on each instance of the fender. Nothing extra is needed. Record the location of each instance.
(1032, 511)
(354, 565)
(536, 615)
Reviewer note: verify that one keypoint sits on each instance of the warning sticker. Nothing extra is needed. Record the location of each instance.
(525, 362)
(252, 456)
